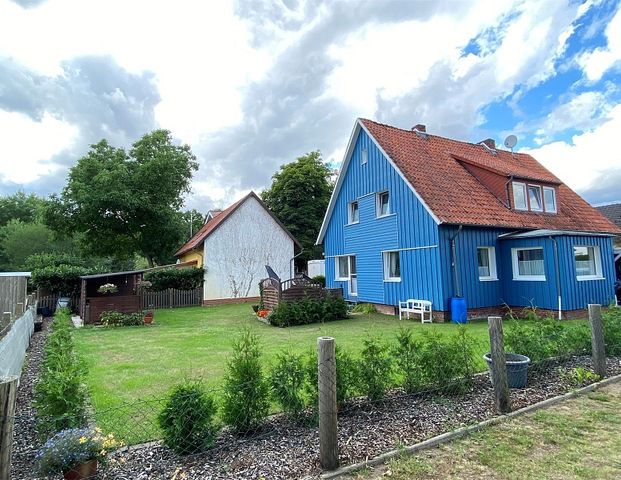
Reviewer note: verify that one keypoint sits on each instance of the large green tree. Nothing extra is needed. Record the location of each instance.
(124, 203)
(19, 206)
(299, 196)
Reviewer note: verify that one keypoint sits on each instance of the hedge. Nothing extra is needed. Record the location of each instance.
(178, 278)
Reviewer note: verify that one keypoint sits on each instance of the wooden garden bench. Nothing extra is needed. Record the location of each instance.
(420, 307)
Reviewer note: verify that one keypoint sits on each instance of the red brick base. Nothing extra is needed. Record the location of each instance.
(226, 301)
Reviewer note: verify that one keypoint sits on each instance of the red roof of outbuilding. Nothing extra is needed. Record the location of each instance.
(219, 218)
(432, 165)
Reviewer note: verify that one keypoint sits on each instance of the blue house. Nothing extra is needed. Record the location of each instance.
(419, 216)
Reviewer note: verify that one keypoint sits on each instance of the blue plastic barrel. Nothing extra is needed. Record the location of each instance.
(459, 314)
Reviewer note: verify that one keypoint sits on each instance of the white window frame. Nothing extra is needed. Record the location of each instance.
(386, 261)
(491, 256)
(516, 268)
(545, 205)
(352, 274)
(337, 268)
(364, 156)
(538, 187)
(525, 190)
(378, 204)
(350, 212)
(597, 259)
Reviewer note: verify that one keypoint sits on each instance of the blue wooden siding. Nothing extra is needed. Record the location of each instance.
(408, 227)
(478, 293)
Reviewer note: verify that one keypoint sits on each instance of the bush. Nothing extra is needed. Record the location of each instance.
(60, 394)
(179, 278)
(187, 420)
(287, 382)
(63, 279)
(320, 279)
(346, 377)
(309, 310)
(366, 308)
(246, 392)
(111, 318)
(612, 330)
(375, 368)
(407, 360)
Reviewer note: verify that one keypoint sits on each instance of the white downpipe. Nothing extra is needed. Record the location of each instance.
(559, 308)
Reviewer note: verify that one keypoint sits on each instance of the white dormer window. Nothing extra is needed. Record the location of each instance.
(383, 204)
(534, 198)
(549, 199)
(519, 196)
(364, 156)
(353, 215)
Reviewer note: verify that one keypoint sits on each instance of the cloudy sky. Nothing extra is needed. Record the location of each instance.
(253, 84)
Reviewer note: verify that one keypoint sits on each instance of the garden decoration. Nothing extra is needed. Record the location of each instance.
(75, 452)
(108, 288)
(148, 317)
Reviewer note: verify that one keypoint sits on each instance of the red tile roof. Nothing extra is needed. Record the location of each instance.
(197, 240)
(431, 164)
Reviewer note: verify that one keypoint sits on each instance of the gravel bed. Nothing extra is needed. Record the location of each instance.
(25, 440)
(286, 450)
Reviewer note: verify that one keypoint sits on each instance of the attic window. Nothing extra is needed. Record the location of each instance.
(364, 157)
(534, 198)
(519, 196)
(549, 199)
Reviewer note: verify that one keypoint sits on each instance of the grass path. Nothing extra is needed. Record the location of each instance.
(578, 439)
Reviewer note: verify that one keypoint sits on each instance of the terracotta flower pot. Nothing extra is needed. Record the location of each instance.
(148, 318)
(82, 471)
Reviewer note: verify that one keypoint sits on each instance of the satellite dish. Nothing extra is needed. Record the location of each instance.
(510, 141)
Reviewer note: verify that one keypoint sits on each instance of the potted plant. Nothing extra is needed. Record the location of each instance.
(108, 288)
(75, 452)
(517, 368)
(148, 317)
(263, 313)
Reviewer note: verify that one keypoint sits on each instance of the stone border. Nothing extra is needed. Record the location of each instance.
(461, 432)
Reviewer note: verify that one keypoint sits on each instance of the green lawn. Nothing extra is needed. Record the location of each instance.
(578, 439)
(140, 364)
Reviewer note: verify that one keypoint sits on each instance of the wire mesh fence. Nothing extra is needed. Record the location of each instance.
(268, 422)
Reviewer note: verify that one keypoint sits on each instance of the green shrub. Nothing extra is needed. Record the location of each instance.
(287, 382)
(179, 278)
(309, 310)
(111, 318)
(375, 368)
(406, 353)
(63, 279)
(187, 420)
(366, 308)
(246, 392)
(346, 377)
(612, 330)
(60, 394)
(320, 279)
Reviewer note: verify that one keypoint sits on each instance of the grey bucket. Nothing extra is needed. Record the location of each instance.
(517, 368)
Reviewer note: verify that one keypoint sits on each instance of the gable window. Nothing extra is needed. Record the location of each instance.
(364, 156)
(486, 261)
(549, 199)
(528, 264)
(353, 215)
(588, 263)
(383, 204)
(342, 268)
(519, 196)
(534, 198)
(392, 267)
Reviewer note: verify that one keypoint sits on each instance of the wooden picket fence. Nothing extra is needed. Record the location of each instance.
(171, 298)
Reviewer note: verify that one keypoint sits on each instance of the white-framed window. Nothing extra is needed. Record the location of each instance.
(341, 268)
(353, 214)
(383, 204)
(519, 196)
(534, 198)
(549, 199)
(353, 276)
(392, 267)
(528, 264)
(364, 156)
(588, 262)
(486, 261)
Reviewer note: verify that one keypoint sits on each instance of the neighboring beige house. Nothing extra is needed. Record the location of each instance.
(235, 245)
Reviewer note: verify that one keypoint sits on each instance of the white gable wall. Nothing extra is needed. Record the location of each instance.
(237, 251)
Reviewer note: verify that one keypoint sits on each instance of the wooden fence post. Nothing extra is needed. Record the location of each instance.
(597, 339)
(8, 397)
(328, 429)
(499, 365)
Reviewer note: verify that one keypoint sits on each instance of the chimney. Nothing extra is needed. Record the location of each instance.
(490, 142)
(419, 128)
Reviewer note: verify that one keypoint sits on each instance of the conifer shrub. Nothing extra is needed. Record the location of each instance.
(287, 382)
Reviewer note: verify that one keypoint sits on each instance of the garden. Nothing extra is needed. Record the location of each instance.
(212, 379)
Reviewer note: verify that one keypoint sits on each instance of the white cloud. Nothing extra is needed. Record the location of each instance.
(587, 157)
(27, 150)
(600, 60)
